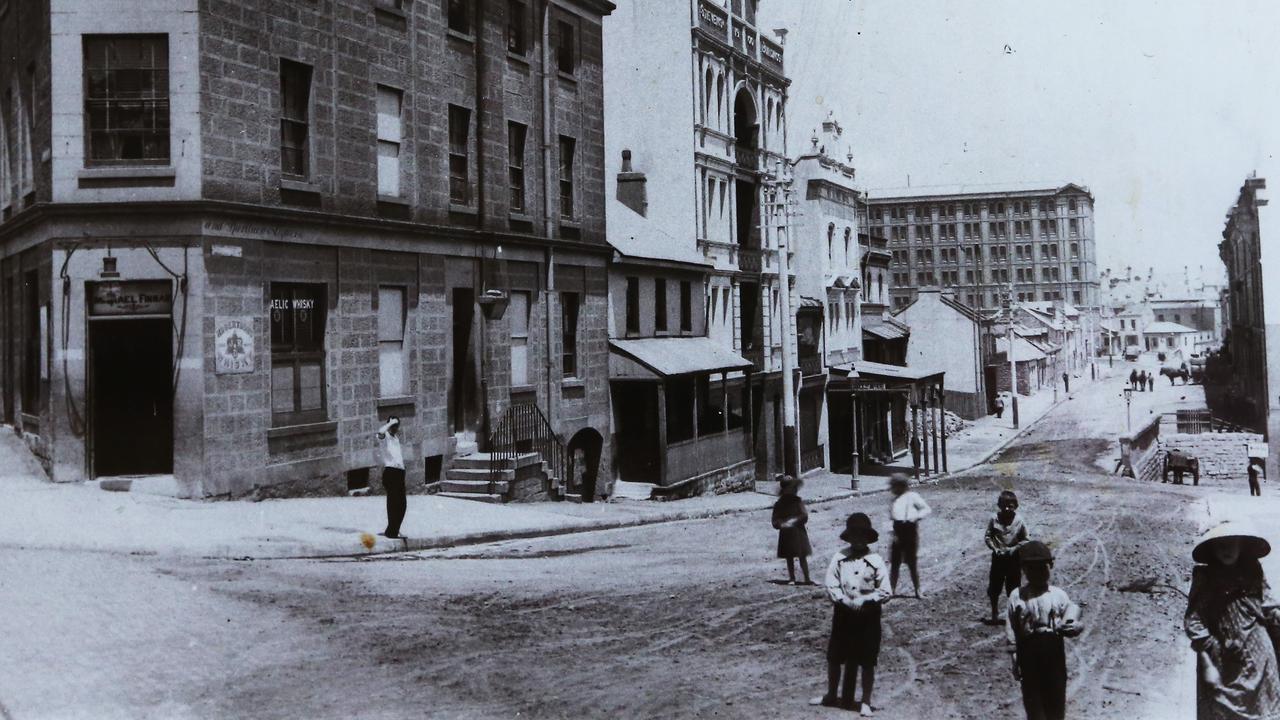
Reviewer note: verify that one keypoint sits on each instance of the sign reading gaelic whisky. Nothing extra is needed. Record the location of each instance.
(232, 345)
(134, 297)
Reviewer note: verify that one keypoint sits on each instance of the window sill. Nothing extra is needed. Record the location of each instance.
(397, 401)
(518, 58)
(456, 209)
(523, 389)
(304, 429)
(571, 224)
(393, 199)
(114, 172)
(392, 11)
(520, 217)
(461, 37)
(567, 77)
(299, 185)
(572, 382)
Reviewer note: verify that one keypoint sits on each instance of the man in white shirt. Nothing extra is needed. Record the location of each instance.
(393, 476)
(906, 510)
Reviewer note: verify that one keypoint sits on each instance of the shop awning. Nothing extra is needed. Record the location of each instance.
(646, 358)
(865, 369)
(885, 332)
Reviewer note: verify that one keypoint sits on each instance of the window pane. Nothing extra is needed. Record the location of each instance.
(518, 311)
(569, 332)
(389, 122)
(391, 369)
(390, 314)
(311, 384)
(127, 97)
(388, 168)
(282, 388)
(519, 361)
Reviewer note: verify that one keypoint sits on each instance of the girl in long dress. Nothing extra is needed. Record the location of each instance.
(789, 518)
(1229, 613)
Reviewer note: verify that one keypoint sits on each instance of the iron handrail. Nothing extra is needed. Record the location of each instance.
(523, 428)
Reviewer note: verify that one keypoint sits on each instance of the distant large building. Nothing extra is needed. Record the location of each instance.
(1245, 398)
(977, 241)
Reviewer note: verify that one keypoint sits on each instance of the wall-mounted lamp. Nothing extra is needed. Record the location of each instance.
(109, 268)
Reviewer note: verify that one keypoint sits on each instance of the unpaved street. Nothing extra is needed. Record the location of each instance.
(674, 620)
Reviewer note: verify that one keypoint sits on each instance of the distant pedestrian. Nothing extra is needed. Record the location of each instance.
(1040, 615)
(857, 585)
(1151, 382)
(906, 509)
(393, 476)
(1230, 611)
(1066, 382)
(789, 519)
(999, 407)
(1142, 381)
(1255, 467)
(1006, 532)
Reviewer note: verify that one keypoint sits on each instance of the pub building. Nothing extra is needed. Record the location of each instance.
(231, 249)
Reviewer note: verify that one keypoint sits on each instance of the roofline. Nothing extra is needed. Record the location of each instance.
(873, 198)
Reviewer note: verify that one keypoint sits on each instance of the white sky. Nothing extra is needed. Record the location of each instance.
(1160, 107)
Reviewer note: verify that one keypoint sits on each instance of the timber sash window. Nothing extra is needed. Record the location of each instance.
(518, 311)
(660, 305)
(297, 353)
(459, 12)
(126, 99)
(569, 333)
(686, 306)
(567, 150)
(566, 48)
(515, 164)
(459, 155)
(393, 361)
(295, 118)
(517, 21)
(633, 306)
(390, 132)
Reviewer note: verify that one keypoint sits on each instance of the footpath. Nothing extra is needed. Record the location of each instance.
(39, 514)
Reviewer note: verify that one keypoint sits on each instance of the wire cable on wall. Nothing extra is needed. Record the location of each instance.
(74, 418)
(180, 327)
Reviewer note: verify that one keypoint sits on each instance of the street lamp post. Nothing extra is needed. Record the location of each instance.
(790, 438)
(1128, 418)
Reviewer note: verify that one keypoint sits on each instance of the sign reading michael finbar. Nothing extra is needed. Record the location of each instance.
(232, 345)
(137, 297)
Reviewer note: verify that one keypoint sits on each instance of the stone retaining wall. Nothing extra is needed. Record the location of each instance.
(1221, 455)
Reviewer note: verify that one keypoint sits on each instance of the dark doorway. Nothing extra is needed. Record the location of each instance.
(635, 410)
(9, 359)
(584, 462)
(132, 402)
(759, 433)
(464, 413)
(840, 431)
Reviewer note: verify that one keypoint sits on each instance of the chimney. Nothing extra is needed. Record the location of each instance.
(631, 187)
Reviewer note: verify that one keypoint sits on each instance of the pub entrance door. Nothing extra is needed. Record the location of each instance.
(465, 412)
(131, 396)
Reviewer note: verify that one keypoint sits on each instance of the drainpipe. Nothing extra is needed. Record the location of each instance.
(548, 206)
(477, 46)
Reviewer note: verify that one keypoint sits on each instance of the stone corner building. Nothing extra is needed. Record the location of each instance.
(237, 235)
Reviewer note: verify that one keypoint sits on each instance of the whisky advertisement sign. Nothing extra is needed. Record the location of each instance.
(232, 345)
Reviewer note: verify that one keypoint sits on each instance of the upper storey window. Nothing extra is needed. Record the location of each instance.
(459, 12)
(566, 47)
(295, 118)
(126, 99)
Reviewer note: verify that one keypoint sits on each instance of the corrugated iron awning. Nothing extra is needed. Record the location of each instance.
(668, 356)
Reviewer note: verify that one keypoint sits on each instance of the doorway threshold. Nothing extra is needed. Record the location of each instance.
(166, 485)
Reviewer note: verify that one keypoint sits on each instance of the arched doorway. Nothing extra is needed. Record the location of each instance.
(583, 454)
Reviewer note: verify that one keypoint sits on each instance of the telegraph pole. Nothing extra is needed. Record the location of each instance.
(782, 198)
(1013, 366)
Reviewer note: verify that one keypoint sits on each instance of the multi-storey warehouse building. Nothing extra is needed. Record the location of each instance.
(980, 243)
(238, 234)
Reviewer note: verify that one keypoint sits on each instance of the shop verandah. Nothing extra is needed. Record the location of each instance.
(882, 417)
(682, 410)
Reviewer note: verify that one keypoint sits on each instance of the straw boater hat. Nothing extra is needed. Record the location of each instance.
(1251, 544)
(858, 529)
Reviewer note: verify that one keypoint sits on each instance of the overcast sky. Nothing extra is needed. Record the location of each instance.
(1160, 107)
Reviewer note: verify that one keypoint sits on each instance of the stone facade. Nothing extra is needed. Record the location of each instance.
(1221, 455)
(221, 224)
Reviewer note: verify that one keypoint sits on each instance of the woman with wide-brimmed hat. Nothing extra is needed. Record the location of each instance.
(1230, 614)
(858, 585)
(789, 519)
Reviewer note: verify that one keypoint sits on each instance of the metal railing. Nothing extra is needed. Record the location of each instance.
(524, 429)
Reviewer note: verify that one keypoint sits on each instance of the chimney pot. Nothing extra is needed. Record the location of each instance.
(626, 161)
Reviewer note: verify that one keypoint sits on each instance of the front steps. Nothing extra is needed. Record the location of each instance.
(472, 477)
